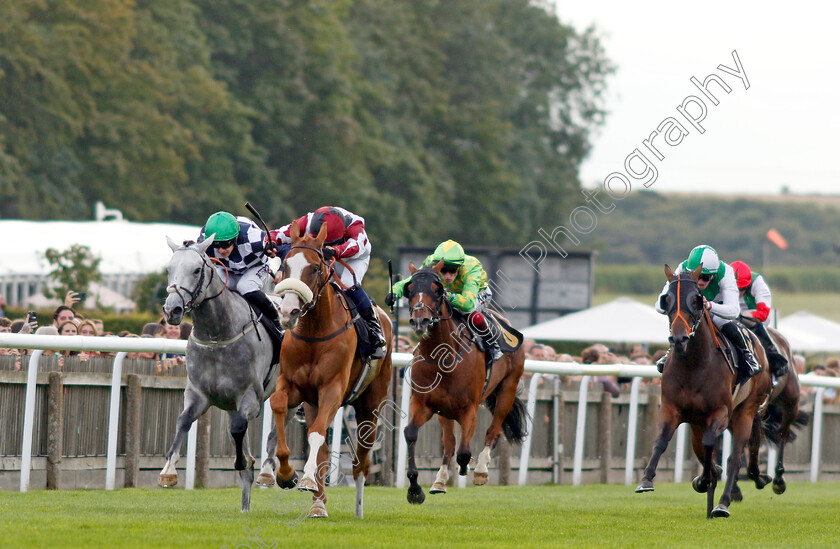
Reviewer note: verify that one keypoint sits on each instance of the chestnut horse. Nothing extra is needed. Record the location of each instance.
(782, 416)
(447, 376)
(319, 366)
(698, 387)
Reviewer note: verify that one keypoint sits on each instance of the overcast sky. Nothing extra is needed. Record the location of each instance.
(782, 131)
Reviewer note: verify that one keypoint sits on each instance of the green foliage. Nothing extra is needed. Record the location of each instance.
(150, 292)
(651, 228)
(73, 270)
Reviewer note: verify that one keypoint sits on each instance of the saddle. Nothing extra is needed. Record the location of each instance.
(510, 338)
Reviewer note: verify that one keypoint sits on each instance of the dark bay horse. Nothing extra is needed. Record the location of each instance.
(319, 366)
(229, 356)
(782, 416)
(698, 387)
(448, 378)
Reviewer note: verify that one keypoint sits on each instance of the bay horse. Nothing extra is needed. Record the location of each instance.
(699, 388)
(319, 366)
(447, 377)
(781, 417)
(229, 356)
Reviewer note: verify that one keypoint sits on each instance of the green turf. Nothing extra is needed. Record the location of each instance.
(487, 517)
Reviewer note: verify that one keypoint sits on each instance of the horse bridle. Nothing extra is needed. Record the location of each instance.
(323, 280)
(692, 328)
(196, 292)
(437, 314)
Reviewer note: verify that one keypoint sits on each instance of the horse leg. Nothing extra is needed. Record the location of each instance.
(741, 426)
(249, 408)
(366, 420)
(285, 473)
(319, 498)
(467, 422)
(668, 425)
(753, 463)
(195, 404)
(269, 466)
(329, 401)
(419, 414)
(447, 427)
(505, 397)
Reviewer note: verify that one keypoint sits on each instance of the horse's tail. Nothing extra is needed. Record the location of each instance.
(772, 424)
(515, 424)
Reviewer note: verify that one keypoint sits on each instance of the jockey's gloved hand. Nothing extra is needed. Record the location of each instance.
(271, 249)
(329, 252)
(391, 299)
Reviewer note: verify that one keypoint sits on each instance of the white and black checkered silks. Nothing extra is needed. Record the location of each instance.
(247, 266)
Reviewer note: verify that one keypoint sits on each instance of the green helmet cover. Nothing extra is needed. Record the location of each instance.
(224, 225)
(707, 256)
(450, 252)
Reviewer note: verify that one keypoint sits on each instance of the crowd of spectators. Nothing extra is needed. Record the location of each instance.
(67, 321)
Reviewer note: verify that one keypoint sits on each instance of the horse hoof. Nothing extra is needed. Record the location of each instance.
(318, 510)
(416, 497)
(307, 485)
(644, 486)
(438, 488)
(287, 483)
(700, 486)
(480, 479)
(737, 495)
(779, 487)
(762, 481)
(167, 481)
(265, 480)
(721, 511)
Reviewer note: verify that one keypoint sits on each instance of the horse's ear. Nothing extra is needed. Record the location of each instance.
(322, 236)
(669, 274)
(202, 247)
(695, 274)
(294, 229)
(171, 243)
(438, 266)
(411, 268)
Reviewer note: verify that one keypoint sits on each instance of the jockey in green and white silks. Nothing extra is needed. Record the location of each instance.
(756, 302)
(720, 292)
(466, 284)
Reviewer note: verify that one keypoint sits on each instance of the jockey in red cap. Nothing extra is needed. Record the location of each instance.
(755, 302)
(348, 241)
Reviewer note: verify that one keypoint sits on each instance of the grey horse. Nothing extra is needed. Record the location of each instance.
(229, 357)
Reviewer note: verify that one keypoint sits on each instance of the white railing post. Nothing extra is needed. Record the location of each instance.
(192, 443)
(335, 451)
(633, 418)
(816, 441)
(525, 452)
(580, 432)
(114, 422)
(29, 419)
(726, 451)
(402, 446)
(679, 460)
(267, 424)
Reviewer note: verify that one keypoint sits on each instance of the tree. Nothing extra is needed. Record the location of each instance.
(73, 269)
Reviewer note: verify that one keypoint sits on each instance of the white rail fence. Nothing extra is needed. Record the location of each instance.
(121, 346)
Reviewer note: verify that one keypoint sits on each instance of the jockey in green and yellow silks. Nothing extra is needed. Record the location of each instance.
(466, 284)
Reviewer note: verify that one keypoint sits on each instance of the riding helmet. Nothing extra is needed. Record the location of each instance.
(743, 274)
(224, 225)
(450, 252)
(707, 256)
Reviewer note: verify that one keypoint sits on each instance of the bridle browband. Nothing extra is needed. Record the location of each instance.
(196, 292)
(321, 279)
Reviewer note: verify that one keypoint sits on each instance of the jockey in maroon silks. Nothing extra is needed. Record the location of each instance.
(348, 241)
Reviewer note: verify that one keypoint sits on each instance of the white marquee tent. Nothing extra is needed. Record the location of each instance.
(623, 320)
(808, 332)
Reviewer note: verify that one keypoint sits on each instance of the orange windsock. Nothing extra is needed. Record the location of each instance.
(777, 239)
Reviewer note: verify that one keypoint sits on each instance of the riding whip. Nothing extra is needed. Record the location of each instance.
(254, 211)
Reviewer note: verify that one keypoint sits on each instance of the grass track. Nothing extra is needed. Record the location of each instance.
(489, 517)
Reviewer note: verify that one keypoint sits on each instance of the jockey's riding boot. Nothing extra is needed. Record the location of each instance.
(266, 307)
(660, 364)
(778, 361)
(733, 333)
(494, 348)
(377, 338)
(364, 305)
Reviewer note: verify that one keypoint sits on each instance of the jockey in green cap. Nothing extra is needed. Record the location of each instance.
(720, 297)
(467, 291)
(243, 250)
